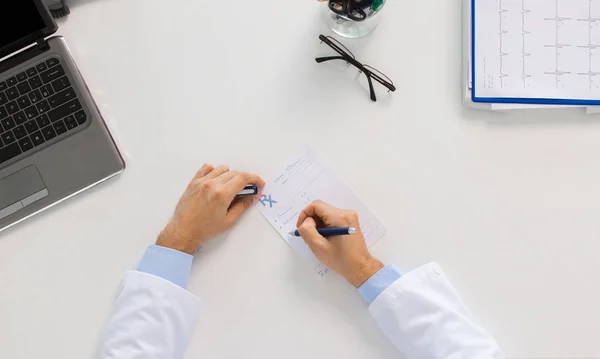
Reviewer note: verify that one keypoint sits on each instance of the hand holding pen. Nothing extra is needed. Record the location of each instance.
(346, 254)
(209, 206)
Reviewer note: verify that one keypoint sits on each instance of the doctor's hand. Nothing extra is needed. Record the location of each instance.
(208, 207)
(347, 255)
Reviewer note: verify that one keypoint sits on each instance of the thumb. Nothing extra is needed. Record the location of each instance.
(308, 232)
(239, 206)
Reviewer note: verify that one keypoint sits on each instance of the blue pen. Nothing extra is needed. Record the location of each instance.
(330, 232)
(249, 190)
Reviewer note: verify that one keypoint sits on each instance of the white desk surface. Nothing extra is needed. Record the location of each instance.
(508, 204)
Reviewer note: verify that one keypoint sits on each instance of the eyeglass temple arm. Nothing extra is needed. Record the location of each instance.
(386, 84)
(329, 58)
(348, 59)
(371, 89)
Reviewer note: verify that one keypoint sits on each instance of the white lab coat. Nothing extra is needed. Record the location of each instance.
(421, 314)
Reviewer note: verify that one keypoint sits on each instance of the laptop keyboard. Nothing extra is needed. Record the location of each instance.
(36, 106)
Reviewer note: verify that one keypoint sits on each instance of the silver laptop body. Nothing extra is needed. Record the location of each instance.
(53, 140)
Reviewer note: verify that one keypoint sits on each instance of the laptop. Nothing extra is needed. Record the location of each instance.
(53, 141)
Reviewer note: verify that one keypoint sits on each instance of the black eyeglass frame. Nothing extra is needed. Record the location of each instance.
(348, 57)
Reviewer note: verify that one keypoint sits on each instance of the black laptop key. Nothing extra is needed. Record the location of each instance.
(3, 86)
(47, 90)
(31, 72)
(70, 122)
(22, 76)
(61, 84)
(37, 138)
(35, 96)
(26, 144)
(3, 113)
(41, 67)
(62, 97)
(80, 117)
(24, 88)
(52, 62)
(3, 98)
(60, 127)
(64, 110)
(11, 81)
(12, 93)
(1, 143)
(31, 126)
(20, 118)
(31, 112)
(24, 102)
(43, 121)
(12, 107)
(8, 123)
(52, 74)
(8, 152)
(8, 137)
(48, 133)
(43, 106)
(19, 132)
(35, 82)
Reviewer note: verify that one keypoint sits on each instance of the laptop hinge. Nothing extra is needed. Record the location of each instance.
(43, 45)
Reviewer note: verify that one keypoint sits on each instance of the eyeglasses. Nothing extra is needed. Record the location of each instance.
(346, 55)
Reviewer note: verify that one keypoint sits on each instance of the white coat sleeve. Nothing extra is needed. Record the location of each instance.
(151, 318)
(424, 317)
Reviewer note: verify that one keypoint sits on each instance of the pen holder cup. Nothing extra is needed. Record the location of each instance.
(346, 27)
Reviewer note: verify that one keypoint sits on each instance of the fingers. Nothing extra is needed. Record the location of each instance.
(240, 181)
(217, 172)
(308, 232)
(227, 176)
(317, 209)
(223, 175)
(206, 169)
(233, 182)
(239, 206)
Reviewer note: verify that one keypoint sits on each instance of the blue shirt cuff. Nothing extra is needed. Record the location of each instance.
(167, 263)
(379, 282)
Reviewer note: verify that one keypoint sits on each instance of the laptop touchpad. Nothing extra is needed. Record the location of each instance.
(21, 189)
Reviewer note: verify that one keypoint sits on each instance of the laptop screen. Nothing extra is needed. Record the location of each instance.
(18, 20)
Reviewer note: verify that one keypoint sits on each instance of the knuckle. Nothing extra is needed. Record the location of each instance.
(208, 185)
(353, 216)
(221, 193)
(349, 216)
(194, 184)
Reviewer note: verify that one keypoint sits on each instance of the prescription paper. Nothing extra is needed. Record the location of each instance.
(302, 180)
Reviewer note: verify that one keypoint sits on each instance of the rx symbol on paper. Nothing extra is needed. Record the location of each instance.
(264, 200)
